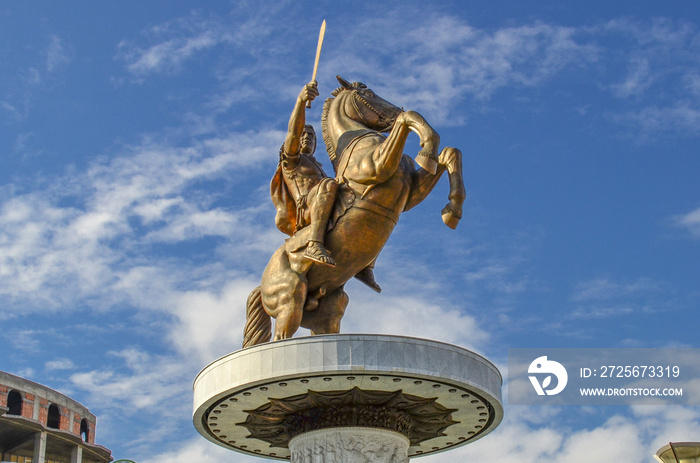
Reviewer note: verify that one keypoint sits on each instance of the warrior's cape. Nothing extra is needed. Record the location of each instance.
(286, 218)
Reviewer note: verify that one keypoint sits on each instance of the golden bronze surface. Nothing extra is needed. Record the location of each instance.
(338, 226)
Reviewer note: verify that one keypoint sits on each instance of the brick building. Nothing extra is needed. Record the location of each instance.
(40, 425)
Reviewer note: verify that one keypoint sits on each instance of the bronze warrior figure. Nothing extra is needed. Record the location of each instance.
(302, 193)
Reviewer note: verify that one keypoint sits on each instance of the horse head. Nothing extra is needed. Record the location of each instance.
(353, 107)
(366, 107)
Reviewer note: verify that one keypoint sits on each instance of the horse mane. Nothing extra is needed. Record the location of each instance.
(330, 149)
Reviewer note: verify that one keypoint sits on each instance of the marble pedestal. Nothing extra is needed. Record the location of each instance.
(280, 400)
(349, 444)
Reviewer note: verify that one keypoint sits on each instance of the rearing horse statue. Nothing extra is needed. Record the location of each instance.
(377, 183)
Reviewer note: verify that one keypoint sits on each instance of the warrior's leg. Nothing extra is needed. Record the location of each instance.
(321, 200)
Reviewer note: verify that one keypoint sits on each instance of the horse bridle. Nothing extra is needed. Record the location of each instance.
(389, 123)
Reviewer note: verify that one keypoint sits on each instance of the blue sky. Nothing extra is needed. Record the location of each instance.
(138, 139)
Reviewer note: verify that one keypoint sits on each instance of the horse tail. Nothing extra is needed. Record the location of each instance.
(258, 325)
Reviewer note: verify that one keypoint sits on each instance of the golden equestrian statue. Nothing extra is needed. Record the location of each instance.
(338, 226)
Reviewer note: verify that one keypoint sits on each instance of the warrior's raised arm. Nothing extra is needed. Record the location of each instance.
(297, 121)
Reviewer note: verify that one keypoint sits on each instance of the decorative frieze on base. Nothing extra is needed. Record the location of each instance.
(417, 418)
(342, 445)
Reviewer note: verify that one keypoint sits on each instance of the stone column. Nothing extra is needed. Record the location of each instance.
(76, 455)
(39, 448)
(341, 445)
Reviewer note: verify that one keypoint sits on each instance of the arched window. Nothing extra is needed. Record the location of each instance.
(14, 403)
(54, 419)
(85, 430)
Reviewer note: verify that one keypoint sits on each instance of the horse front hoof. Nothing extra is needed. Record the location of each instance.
(450, 218)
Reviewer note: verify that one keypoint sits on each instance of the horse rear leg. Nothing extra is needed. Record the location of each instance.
(326, 318)
(283, 294)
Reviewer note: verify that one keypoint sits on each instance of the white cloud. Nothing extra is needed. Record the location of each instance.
(514, 442)
(603, 298)
(413, 302)
(656, 32)
(41, 69)
(198, 449)
(152, 193)
(23, 340)
(617, 440)
(172, 44)
(602, 312)
(11, 110)
(56, 55)
(433, 68)
(625, 437)
(26, 373)
(638, 79)
(147, 382)
(195, 224)
(444, 67)
(682, 117)
(413, 315)
(605, 289)
(210, 325)
(437, 66)
(690, 222)
(60, 364)
(168, 55)
(661, 75)
(692, 82)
